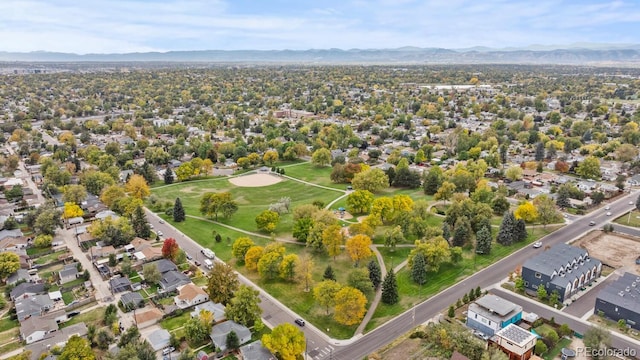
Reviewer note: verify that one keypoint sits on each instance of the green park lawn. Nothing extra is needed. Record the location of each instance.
(251, 200)
(629, 220)
(311, 173)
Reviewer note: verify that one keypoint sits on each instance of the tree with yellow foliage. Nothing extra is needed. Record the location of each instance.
(358, 248)
(137, 187)
(286, 341)
(72, 210)
(350, 306)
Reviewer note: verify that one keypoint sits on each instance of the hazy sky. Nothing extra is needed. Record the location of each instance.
(118, 26)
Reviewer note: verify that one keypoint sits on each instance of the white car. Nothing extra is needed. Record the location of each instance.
(160, 233)
(608, 213)
(537, 244)
(607, 207)
(630, 202)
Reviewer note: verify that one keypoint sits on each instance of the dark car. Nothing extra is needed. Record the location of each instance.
(197, 263)
(591, 223)
(299, 321)
(73, 313)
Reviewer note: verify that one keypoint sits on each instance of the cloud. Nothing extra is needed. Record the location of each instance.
(160, 25)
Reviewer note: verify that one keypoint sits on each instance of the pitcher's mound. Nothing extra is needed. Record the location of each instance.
(255, 180)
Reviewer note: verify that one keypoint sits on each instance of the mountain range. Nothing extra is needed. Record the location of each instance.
(575, 54)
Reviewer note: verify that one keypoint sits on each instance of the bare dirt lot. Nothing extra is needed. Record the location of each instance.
(255, 180)
(617, 251)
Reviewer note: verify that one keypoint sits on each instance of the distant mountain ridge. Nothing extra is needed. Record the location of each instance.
(534, 54)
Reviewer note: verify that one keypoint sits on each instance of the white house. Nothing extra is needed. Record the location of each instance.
(36, 328)
(190, 295)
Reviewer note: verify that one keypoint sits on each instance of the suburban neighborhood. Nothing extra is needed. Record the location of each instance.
(263, 212)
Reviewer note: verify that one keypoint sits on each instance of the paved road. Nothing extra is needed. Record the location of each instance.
(273, 312)
(360, 346)
(430, 308)
(580, 326)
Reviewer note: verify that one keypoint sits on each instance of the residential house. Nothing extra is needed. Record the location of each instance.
(620, 300)
(56, 339)
(562, 268)
(36, 328)
(255, 351)
(220, 332)
(13, 243)
(165, 265)
(171, 280)
(119, 284)
(98, 251)
(515, 341)
(25, 290)
(20, 275)
(105, 214)
(190, 295)
(216, 309)
(491, 313)
(634, 180)
(159, 339)
(68, 273)
(147, 317)
(35, 305)
(131, 300)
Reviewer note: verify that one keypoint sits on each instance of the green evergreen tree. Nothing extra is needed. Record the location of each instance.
(178, 211)
(433, 180)
(520, 230)
(542, 293)
(452, 312)
(419, 269)
(507, 229)
(329, 274)
(483, 241)
(478, 292)
(168, 176)
(233, 342)
(562, 198)
(390, 289)
(375, 274)
(539, 152)
(461, 231)
(446, 231)
(140, 224)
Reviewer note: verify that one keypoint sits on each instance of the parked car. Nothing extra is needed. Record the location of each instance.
(150, 226)
(607, 207)
(591, 223)
(537, 244)
(299, 321)
(161, 221)
(608, 213)
(160, 233)
(197, 263)
(631, 203)
(189, 257)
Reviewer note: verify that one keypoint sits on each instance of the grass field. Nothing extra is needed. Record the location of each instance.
(251, 201)
(311, 173)
(6, 323)
(94, 316)
(629, 220)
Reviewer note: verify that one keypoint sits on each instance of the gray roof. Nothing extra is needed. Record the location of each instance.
(172, 279)
(255, 351)
(497, 304)
(33, 305)
(495, 308)
(515, 334)
(119, 284)
(164, 265)
(69, 270)
(35, 323)
(159, 339)
(21, 274)
(624, 292)
(559, 255)
(219, 333)
(27, 288)
(216, 309)
(10, 233)
(58, 338)
(132, 298)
